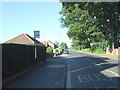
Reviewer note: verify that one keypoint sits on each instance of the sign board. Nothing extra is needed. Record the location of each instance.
(36, 34)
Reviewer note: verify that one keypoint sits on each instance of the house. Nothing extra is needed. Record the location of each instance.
(49, 44)
(23, 39)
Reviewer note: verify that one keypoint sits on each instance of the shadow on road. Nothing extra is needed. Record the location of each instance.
(94, 72)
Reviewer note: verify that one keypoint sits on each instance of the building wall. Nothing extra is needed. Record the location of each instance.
(48, 44)
(51, 44)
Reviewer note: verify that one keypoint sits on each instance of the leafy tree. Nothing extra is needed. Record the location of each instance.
(49, 50)
(108, 15)
(90, 22)
(82, 27)
(63, 45)
(57, 43)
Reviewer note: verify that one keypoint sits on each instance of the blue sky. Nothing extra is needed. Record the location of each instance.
(25, 17)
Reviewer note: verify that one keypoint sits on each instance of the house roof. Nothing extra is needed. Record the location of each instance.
(23, 39)
(49, 43)
(45, 43)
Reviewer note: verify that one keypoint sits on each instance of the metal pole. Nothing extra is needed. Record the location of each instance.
(35, 55)
(36, 35)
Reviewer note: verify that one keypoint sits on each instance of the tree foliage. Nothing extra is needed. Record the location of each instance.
(57, 43)
(90, 22)
(63, 45)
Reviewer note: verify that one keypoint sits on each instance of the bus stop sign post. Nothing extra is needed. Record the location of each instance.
(36, 35)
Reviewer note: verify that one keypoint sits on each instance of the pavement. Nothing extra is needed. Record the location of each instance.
(49, 75)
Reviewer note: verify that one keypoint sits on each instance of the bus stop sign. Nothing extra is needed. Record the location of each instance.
(36, 34)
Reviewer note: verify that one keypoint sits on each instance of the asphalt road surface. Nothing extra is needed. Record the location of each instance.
(90, 71)
(76, 70)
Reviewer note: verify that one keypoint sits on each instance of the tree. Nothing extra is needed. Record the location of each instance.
(90, 22)
(63, 45)
(57, 43)
(108, 15)
(82, 27)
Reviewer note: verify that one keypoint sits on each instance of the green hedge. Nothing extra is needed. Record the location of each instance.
(17, 58)
(86, 50)
(49, 52)
(41, 53)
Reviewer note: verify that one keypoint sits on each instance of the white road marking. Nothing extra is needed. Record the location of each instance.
(92, 78)
(98, 64)
(83, 79)
(117, 75)
(87, 67)
(98, 79)
(95, 63)
(104, 77)
(82, 68)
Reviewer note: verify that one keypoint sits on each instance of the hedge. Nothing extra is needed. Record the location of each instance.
(17, 57)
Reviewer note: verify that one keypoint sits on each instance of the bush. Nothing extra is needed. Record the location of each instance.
(101, 45)
(86, 50)
(49, 50)
(99, 51)
(41, 53)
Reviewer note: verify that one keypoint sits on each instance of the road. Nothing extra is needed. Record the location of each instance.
(90, 71)
(76, 70)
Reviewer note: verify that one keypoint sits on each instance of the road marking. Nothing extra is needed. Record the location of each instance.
(95, 63)
(104, 77)
(117, 75)
(95, 76)
(82, 78)
(82, 68)
(98, 64)
(86, 67)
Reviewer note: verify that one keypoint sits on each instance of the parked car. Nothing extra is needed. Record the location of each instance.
(66, 51)
(55, 52)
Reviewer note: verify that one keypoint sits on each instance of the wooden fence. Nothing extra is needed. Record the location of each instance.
(17, 58)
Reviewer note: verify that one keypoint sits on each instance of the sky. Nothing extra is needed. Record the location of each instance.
(27, 17)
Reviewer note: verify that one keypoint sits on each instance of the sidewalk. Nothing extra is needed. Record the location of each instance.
(50, 75)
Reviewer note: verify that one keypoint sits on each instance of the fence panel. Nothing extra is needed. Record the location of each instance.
(16, 58)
